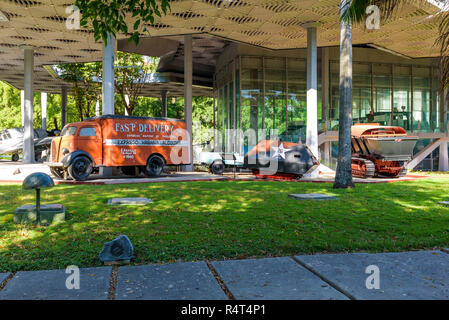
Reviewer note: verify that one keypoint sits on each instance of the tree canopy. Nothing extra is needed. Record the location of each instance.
(111, 16)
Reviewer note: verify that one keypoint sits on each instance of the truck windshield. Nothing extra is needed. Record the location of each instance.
(69, 131)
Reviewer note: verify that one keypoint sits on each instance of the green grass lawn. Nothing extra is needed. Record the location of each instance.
(224, 220)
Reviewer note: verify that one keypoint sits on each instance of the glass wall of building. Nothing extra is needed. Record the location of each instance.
(268, 95)
(402, 95)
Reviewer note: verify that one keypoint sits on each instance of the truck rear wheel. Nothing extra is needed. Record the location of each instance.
(155, 166)
(80, 168)
(15, 157)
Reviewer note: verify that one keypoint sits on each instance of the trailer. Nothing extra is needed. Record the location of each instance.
(133, 144)
(380, 151)
(219, 161)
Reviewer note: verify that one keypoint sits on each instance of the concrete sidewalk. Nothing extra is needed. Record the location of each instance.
(404, 275)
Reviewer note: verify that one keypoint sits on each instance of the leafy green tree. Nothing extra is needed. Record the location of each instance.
(203, 119)
(10, 113)
(86, 87)
(110, 16)
(131, 72)
(10, 110)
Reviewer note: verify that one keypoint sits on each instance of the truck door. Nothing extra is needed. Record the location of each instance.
(89, 138)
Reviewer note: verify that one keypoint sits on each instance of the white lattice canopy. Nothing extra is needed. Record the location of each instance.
(272, 24)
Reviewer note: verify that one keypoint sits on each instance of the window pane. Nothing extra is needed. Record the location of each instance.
(230, 117)
(87, 132)
(275, 101)
(382, 99)
(297, 100)
(69, 131)
(361, 94)
(436, 114)
(334, 100)
(252, 104)
(402, 102)
(421, 103)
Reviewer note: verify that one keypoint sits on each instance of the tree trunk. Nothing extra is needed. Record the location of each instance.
(343, 176)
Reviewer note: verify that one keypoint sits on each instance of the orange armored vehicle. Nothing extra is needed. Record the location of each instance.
(134, 144)
(380, 151)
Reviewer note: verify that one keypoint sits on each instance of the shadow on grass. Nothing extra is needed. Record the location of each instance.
(224, 220)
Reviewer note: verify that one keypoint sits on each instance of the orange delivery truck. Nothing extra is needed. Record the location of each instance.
(134, 144)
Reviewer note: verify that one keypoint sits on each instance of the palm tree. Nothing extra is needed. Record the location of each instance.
(353, 11)
(343, 176)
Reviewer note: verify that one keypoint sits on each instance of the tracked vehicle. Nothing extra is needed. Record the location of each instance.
(380, 151)
(272, 159)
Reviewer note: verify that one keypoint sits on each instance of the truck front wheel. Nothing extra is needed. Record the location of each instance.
(80, 168)
(155, 166)
(217, 167)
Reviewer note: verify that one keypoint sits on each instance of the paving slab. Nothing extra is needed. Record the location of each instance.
(50, 213)
(311, 196)
(405, 275)
(3, 277)
(179, 281)
(51, 285)
(129, 201)
(273, 278)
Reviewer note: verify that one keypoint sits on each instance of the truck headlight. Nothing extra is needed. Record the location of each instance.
(65, 151)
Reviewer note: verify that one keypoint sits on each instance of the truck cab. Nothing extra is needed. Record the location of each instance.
(77, 150)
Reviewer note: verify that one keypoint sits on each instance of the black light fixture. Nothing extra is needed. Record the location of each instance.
(37, 181)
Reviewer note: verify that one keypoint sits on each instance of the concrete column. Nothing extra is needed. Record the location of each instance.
(63, 107)
(327, 153)
(325, 85)
(443, 164)
(312, 89)
(22, 106)
(164, 103)
(44, 109)
(188, 75)
(28, 134)
(445, 104)
(127, 103)
(108, 76)
(97, 108)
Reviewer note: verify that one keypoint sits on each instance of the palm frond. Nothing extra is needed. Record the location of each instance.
(355, 10)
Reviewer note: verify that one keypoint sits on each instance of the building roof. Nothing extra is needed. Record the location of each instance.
(272, 24)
